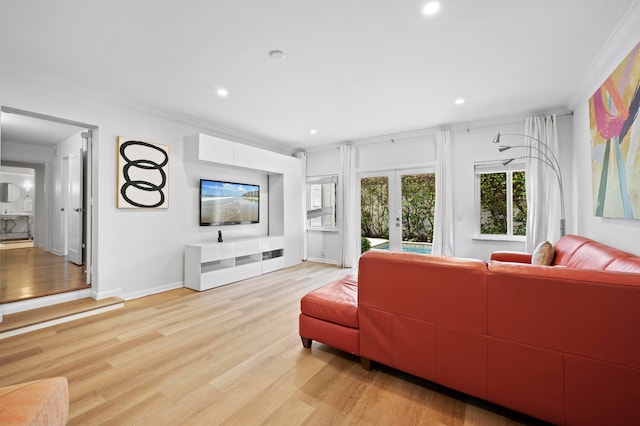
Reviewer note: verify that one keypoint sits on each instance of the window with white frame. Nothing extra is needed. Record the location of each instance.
(501, 200)
(321, 203)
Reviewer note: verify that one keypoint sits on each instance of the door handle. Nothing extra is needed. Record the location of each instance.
(78, 210)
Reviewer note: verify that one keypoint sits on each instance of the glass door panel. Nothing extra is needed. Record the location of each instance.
(417, 190)
(397, 208)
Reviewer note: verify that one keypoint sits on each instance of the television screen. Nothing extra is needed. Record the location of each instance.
(228, 203)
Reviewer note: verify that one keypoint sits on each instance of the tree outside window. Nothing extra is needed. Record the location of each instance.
(502, 201)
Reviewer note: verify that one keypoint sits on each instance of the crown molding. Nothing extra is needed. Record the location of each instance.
(430, 132)
(622, 39)
(202, 126)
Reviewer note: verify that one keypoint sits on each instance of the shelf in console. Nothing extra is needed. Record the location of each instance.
(209, 265)
(216, 265)
(248, 259)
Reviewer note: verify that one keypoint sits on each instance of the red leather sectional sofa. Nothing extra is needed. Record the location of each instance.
(560, 343)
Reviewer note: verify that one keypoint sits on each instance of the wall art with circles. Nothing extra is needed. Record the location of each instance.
(143, 174)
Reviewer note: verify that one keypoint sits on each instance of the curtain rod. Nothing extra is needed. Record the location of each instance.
(468, 129)
(432, 132)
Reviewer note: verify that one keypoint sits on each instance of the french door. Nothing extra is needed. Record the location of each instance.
(397, 208)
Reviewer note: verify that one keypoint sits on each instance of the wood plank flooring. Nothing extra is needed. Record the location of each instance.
(231, 355)
(20, 322)
(26, 273)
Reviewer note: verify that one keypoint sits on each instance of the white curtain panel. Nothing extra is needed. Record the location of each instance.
(443, 239)
(303, 157)
(347, 208)
(543, 190)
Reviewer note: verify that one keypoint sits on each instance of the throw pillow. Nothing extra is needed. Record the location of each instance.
(543, 254)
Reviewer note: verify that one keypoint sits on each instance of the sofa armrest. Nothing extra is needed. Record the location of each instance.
(511, 256)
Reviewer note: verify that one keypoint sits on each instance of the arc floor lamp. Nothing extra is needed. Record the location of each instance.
(546, 156)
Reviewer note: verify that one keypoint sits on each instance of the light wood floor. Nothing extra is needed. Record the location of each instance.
(26, 273)
(231, 355)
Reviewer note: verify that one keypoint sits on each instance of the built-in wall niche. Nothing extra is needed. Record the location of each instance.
(226, 174)
(276, 243)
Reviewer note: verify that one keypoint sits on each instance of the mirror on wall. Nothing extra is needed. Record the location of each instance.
(9, 192)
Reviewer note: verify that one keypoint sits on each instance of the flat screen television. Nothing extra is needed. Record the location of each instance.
(228, 203)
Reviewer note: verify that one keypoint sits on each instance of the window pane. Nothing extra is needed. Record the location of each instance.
(314, 200)
(493, 203)
(374, 207)
(519, 204)
(418, 207)
(321, 204)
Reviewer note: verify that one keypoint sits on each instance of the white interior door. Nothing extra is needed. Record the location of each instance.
(75, 212)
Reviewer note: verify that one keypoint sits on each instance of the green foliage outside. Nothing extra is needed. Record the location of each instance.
(374, 207)
(493, 203)
(519, 204)
(365, 245)
(418, 207)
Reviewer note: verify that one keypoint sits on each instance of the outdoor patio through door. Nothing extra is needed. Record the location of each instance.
(397, 208)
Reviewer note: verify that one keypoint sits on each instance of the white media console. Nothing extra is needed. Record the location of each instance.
(209, 265)
(212, 264)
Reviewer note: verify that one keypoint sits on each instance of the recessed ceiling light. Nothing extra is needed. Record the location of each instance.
(430, 8)
(277, 55)
(222, 92)
(313, 131)
(459, 101)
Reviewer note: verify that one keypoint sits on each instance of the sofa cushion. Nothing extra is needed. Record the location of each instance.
(335, 302)
(578, 252)
(625, 264)
(543, 254)
(41, 402)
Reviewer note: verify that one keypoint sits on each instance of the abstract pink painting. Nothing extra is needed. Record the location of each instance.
(615, 138)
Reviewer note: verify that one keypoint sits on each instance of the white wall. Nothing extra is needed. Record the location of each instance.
(475, 145)
(470, 144)
(136, 251)
(621, 233)
(323, 246)
(375, 154)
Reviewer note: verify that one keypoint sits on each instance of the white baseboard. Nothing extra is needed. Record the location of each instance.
(150, 291)
(99, 295)
(322, 260)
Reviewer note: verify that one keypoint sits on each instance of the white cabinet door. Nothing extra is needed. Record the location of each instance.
(272, 162)
(247, 156)
(215, 149)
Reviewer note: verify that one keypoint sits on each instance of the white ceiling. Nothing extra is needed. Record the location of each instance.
(353, 68)
(35, 131)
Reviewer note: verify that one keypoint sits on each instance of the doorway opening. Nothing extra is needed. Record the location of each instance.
(57, 208)
(397, 210)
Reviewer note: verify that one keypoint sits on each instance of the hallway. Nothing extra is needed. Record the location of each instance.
(27, 273)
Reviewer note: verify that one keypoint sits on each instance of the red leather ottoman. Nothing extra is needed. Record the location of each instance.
(329, 314)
